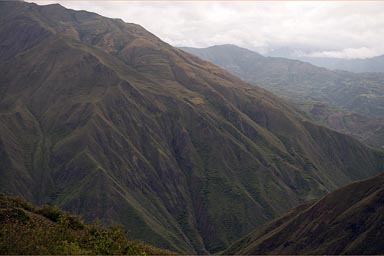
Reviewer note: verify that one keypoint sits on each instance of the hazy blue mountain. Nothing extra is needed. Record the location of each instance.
(375, 64)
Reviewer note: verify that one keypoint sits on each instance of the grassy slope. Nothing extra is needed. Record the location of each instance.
(27, 229)
(347, 221)
(101, 118)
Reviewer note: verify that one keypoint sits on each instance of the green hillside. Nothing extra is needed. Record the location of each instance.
(103, 119)
(347, 221)
(27, 229)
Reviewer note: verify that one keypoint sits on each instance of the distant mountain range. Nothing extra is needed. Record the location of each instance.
(103, 119)
(375, 64)
(347, 102)
(347, 221)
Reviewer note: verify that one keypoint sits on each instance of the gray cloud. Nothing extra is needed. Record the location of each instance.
(330, 29)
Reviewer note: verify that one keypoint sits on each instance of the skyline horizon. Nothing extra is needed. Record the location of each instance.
(345, 30)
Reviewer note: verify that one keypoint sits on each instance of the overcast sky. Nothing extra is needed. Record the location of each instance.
(344, 29)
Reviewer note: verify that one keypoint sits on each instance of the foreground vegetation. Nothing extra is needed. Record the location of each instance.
(27, 229)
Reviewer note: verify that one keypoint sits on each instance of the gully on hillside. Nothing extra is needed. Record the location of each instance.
(103, 119)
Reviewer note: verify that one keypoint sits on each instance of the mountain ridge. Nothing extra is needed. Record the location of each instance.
(343, 101)
(367, 65)
(103, 119)
(346, 221)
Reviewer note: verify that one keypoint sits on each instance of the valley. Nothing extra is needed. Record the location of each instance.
(104, 120)
(354, 100)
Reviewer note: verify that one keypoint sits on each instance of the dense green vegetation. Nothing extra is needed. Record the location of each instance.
(346, 221)
(103, 119)
(347, 102)
(28, 229)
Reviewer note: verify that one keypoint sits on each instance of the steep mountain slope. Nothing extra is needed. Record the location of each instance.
(347, 221)
(101, 118)
(26, 230)
(308, 86)
(367, 129)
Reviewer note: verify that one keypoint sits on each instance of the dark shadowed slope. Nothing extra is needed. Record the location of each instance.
(350, 103)
(101, 118)
(349, 220)
(30, 230)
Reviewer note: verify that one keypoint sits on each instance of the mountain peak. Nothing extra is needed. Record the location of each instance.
(104, 119)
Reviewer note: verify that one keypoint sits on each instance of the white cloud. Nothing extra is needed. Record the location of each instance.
(349, 53)
(337, 28)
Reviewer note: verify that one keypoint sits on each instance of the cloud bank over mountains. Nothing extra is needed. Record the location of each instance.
(339, 29)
